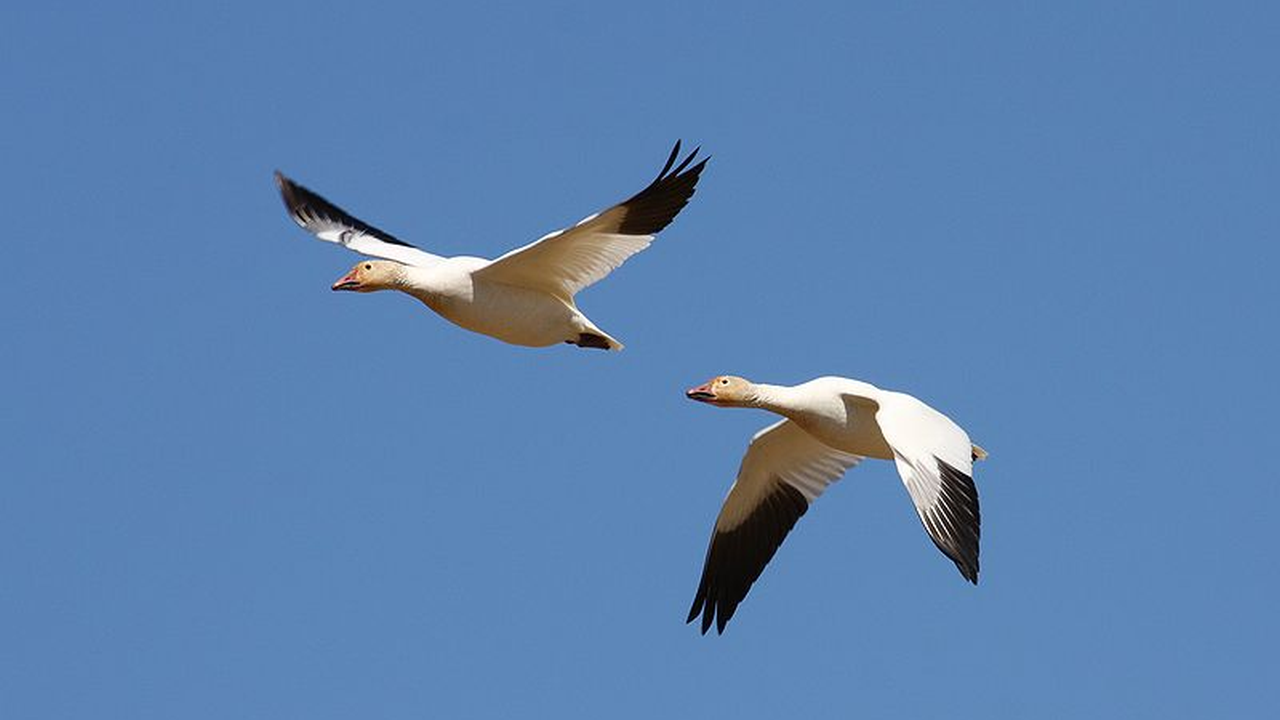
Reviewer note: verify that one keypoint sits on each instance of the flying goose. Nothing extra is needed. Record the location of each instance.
(830, 424)
(525, 297)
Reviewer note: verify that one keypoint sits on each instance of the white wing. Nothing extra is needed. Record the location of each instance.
(784, 470)
(935, 459)
(331, 224)
(566, 261)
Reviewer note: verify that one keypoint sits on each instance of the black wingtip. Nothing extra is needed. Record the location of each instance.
(654, 207)
(961, 541)
(671, 160)
(306, 206)
(289, 195)
(667, 170)
(735, 558)
(295, 197)
(285, 184)
(688, 159)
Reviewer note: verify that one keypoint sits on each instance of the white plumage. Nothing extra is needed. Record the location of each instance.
(830, 425)
(525, 297)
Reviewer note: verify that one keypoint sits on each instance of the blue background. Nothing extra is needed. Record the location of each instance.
(231, 493)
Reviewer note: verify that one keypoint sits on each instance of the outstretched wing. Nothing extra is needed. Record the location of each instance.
(566, 261)
(935, 459)
(331, 224)
(784, 470)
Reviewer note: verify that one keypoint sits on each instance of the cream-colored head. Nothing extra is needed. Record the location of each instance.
(725, 390)
(370, 275)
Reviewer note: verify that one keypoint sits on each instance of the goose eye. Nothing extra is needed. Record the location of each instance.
(368, 266)
(724, 381)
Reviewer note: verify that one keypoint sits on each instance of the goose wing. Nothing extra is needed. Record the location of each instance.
(566, 261)
(784, 470)
(332, 224)
(935, 459)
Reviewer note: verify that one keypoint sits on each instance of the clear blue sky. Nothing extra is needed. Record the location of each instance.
(232, 493)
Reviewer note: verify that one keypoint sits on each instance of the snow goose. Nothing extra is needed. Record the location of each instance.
(525, 297)
(830, 424)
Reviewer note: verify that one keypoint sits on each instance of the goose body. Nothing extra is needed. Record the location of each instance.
(527, 296)
(511, 313)
(829, 425)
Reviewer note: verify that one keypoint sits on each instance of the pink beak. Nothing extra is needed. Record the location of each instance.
(347, 282)
(702, 393)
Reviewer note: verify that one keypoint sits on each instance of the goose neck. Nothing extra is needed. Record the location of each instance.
(774, 398)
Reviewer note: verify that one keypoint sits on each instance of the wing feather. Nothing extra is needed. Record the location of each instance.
(566, 261)
(332, 224)
(935, 459)
(784, 470)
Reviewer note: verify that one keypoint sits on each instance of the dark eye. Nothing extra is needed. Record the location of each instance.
(368, 266)
(724, 381)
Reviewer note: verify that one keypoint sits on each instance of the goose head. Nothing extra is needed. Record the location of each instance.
(724, 390)
(370, 275)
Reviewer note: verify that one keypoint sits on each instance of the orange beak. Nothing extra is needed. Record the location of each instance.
(702, 393)
(347, 282)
